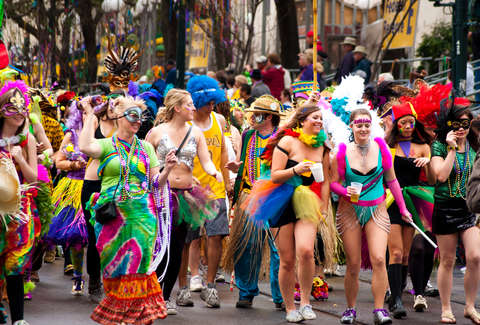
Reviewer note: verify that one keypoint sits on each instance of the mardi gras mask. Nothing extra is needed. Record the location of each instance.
(15, 105)
(134, 114)
(459, 124)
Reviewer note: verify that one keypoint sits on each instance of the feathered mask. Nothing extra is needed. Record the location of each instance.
(121, 66)
(14, 99)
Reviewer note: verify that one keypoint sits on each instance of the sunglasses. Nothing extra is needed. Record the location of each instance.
(459, 124)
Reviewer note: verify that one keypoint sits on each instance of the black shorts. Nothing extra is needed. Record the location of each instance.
(396, 216)
(451, 216)
(288, 216)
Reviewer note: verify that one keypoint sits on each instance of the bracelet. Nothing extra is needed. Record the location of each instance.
(449, 148)
(294, 172)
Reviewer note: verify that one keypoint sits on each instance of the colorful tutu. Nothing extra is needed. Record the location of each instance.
(68, 225)
(193, 206)
(16, 241)
(45, 207)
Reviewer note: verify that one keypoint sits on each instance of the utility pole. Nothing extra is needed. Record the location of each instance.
(459, 43)
(181, 46)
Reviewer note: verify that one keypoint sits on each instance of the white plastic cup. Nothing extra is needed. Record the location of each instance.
(358, 189)
(317, 171)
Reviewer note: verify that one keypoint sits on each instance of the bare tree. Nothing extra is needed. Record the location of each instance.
(288, 31)
(90, 13)
(60, 20)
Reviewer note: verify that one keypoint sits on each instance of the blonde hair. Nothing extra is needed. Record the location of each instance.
(121, 104)
(241, 79)
(175, 97)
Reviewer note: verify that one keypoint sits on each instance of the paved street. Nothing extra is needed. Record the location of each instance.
(53, 304)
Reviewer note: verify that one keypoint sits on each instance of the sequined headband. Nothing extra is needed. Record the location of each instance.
(362, 120)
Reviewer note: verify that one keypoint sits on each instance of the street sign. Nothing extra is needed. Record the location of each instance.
(405, 37)
(200, 44)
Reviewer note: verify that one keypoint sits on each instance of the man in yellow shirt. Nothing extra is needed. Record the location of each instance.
(205, 94)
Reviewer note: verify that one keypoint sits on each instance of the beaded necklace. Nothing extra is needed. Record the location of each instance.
(311, 140)
(462, 174)
(136, 149)
(19, 139)
(253, 154)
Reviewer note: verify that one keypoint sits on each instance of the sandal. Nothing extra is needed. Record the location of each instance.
(474, 316)
(448, 318)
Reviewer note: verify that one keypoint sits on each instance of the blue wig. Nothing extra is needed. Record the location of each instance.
(204, 90)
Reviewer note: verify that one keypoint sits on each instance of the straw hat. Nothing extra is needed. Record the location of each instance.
(360, 49)
(350, 41)
(10, 195)
(266, 104)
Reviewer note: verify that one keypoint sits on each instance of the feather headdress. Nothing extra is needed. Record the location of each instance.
(121, 66)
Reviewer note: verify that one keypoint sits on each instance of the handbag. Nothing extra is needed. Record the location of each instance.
(107, 211)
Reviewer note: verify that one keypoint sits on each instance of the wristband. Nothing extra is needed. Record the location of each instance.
(294, 172)
(449, 148)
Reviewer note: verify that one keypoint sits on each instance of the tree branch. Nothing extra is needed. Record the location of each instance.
(380, 52)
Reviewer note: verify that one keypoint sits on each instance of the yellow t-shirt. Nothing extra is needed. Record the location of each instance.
(213, 136)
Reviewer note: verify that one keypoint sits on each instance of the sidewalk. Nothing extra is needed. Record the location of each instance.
(336, 303)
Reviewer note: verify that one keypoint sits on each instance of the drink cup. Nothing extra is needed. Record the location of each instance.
(358, 189)
(317, 171)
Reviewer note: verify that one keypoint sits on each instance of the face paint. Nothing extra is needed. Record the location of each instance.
(402, 128)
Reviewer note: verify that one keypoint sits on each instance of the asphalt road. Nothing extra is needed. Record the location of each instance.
(52, 304)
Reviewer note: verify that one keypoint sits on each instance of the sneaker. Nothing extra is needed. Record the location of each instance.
(95, 292)
(319, 289)
(307, 312)
(243, 303)
(219, 277)
(349, 316)
(196, 283)
(77, 287)
(381, 317)
(184, 298)
(296, 294)
(27, 296)
(396, 308)
(202, 269)
(34, 277)
(431, 291)
(279, 306)
(21, 322)
(294, 316)
(171, 307)
(210, 296)
(420, 304)
(50, 256)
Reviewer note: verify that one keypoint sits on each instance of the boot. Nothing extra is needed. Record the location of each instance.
(395, 304)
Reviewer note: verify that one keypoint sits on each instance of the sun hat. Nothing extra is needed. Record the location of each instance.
(266, 104)
(349, 40)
